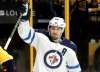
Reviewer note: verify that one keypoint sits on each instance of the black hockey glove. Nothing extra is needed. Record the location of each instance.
(23, 8)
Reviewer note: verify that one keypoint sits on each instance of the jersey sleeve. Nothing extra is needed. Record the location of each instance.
(72, 63)
(27, 34)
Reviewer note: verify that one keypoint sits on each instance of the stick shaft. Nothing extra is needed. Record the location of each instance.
(12, 33)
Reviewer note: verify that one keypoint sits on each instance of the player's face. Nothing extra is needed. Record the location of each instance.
(55, 32)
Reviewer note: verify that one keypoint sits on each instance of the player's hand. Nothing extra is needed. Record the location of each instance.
(23, 8)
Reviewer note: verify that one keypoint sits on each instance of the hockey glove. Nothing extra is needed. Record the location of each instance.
(23, 8)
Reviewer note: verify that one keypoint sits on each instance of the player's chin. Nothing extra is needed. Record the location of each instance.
(55, 38)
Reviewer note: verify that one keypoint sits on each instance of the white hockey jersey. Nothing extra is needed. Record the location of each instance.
(50, 57)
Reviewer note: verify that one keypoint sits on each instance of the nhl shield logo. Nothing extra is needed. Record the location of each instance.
(53, 59)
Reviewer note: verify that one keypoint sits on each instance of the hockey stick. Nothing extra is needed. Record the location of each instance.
(12, 33)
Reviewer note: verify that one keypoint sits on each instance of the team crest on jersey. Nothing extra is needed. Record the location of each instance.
(53, 59)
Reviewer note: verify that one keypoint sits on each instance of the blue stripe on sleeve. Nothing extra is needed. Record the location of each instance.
(32, 37)
(29, 36)
(72, 67)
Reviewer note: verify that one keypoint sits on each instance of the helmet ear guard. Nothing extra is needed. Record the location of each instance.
(57, 21)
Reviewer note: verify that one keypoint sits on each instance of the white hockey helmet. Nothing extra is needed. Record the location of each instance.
(57, 21)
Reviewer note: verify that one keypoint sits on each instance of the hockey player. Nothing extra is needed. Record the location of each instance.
(51, 53)
(6, 59)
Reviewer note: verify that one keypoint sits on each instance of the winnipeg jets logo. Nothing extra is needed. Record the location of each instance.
(53, 59)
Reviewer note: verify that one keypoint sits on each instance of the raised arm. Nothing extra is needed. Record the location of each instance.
(25, 31)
